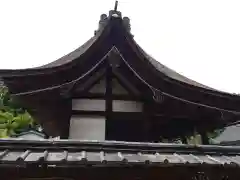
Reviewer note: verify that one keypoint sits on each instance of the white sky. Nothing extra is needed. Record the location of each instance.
(199, 39)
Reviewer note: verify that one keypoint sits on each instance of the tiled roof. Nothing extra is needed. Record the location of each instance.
(107, 153)
(72, 55)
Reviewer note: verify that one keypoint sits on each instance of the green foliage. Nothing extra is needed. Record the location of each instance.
(13, 119)
(195, 138)
(215, 133)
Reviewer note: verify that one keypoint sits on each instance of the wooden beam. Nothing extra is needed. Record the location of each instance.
(108, 95)
(123, 115)
(205, 139)
(85, 86)
(88, 95)
(94, 113)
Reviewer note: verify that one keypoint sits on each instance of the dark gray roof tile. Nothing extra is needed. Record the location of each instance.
(12, 156)
(76, 156)
(34, 157)
(56, 156)
(68, 152)
(95, 156)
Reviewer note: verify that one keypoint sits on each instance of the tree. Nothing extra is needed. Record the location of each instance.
(13, 119)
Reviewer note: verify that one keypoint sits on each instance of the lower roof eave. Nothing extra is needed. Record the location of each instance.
(128, 159)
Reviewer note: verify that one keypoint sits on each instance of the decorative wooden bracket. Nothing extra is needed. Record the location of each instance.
(157, 96)
(116, 6)
(114, 57)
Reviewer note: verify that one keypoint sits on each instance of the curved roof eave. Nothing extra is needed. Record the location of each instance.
(173, 75)
(69, 58)
(55, 65)
(176, 76)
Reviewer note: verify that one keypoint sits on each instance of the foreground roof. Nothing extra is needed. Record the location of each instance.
(114, 152)
(51, 155)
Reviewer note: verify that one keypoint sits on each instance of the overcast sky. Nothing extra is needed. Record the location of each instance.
(199, 39)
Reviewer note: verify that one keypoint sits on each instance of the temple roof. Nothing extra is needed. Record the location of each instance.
(159, 66)
(76, 55)
(114, 38)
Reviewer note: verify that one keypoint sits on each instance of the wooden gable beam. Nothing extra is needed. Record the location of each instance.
(88, 84)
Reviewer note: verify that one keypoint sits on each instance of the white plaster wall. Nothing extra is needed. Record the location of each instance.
(88, 104)
(87, 127)
(100, 87)
(117, 88)
(127, 106)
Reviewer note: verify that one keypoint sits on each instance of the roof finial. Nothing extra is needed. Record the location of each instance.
(116, 6)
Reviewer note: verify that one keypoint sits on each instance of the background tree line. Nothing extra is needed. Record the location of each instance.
(13, 119)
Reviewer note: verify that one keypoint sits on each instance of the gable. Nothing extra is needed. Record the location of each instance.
(100, 87)
(117, 88)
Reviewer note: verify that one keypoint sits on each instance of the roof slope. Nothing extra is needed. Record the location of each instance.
(173, 74)
(71, 56)
(162, 68)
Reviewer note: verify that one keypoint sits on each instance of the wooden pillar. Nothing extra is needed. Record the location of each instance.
(65, 125)
(205, 139)
(108, 97)
(65, 130)
(146, 122)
